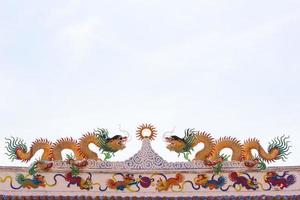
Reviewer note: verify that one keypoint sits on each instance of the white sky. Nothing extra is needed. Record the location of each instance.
(229, 68)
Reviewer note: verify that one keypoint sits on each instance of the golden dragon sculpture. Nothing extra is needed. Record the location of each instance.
(211, 152)
(17, 148)
(278, 148)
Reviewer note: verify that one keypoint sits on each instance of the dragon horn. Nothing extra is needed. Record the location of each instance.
(168, 132)
(128, 135)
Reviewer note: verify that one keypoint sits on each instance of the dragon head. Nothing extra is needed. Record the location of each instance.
(269, 176)
(117, 142)
(39, 177)
(109, 145)
(175, 143)
(129, 177)
(161, 185)
(201, 179)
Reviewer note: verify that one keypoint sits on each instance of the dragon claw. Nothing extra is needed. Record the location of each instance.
(186, 156)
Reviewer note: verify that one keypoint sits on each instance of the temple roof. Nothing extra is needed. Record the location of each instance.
(146, 175)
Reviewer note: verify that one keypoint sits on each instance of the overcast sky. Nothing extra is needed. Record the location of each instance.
(229, 68)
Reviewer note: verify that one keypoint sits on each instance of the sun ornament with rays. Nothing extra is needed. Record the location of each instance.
(146, 131)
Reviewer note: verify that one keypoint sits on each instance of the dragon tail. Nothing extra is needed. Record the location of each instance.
(226, 189)
(104, 189)
(17, 149)
(192, 184)
(12, 145)
(281, 144)
(2, 180)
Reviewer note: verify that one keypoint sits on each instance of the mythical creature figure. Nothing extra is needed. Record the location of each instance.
(282, 181)
(36, 181)
(128, 180)
(278, 148)
(202, 180)
(169, 183)
(243, 181)
(83, 184)
(17, 148)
